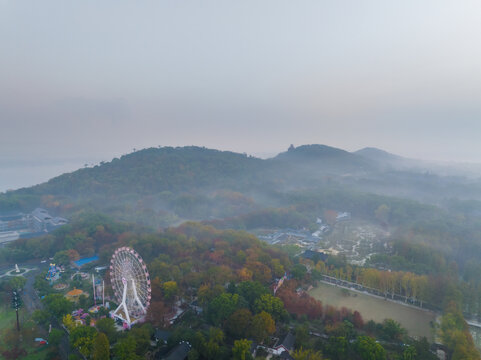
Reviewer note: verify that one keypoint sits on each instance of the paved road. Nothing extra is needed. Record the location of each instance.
(30, 298)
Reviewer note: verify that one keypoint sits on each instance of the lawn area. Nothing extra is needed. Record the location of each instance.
(415, 321)
(7, 317)
(29, 332)
(37, 354)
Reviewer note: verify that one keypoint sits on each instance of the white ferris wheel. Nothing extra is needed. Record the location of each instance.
(131, 284)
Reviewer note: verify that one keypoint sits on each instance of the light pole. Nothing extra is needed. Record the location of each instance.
(16, 303)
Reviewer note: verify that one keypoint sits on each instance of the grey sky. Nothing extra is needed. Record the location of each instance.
(95, 79)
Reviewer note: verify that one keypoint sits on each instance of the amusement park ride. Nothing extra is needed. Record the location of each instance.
(53, 273)
(131, 285)
(130, 282)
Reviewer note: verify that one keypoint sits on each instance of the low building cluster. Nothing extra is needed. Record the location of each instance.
(21, 225)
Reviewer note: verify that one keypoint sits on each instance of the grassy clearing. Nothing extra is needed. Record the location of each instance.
(7, 317)
(415, 321)
(28, 330)
(37, 354)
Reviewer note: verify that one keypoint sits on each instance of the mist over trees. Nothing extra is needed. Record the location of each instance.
(163, 186)
(146, 199)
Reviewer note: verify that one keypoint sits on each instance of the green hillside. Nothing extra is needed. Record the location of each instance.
(164, 186)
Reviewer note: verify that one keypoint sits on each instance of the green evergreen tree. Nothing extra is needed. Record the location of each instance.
(101, 349)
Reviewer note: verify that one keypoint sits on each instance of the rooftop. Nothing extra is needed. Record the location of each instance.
(179, 352)
(288, 341)
(162, 335)
(84, 261)
(314, 255)
(75, 292)
(41, 214)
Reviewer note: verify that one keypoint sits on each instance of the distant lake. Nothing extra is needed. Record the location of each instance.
(24, 174)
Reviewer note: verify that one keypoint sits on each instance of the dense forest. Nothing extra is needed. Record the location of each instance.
(230, 274)
(164, 186)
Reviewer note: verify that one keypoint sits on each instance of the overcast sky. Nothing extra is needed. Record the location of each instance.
(95, 79)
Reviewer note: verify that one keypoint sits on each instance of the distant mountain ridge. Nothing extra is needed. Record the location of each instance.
(199, 183)
(377, 154)
(331, 158)
(315, 151)
(156, 169)
(389, 161)
(179, 179)
(182, 168)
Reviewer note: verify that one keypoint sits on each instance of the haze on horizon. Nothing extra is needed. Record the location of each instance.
(93, 80)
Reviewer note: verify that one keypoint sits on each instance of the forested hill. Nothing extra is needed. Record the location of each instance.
(165, 186)
(154, 170)
(322, 157)
(378, 155)
(180, 178)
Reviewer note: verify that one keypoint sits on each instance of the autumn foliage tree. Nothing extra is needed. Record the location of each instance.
(308, 354)
(262, 326)
(241, 349)
(455, 334)
(302, 304)
(156, 314)
(239, 323)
